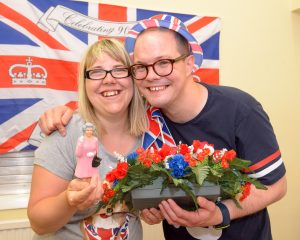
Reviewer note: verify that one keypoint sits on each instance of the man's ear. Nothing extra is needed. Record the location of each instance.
(190, 60)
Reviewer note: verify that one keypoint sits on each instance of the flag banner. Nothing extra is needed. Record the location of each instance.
(41, 43)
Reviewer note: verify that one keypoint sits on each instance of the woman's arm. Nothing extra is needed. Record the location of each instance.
(48, 208)
(53, 200)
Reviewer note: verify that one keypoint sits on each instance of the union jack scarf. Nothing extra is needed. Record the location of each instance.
(158, 132)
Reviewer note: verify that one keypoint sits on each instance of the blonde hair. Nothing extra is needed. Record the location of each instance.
(136, 109)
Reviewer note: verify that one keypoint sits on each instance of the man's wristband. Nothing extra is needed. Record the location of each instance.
(226, 216)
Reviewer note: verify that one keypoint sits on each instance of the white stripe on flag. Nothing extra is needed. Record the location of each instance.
(60, 34)
(210, 63)
(26, 116)
(93, 12)
(209, 30)
(41, 52)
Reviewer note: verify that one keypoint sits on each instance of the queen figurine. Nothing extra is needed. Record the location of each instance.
(86, 152)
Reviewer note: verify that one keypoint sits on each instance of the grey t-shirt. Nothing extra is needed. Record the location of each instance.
(57, 155)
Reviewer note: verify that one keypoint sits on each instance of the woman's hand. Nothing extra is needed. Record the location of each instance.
(84, 193)
(151, 216)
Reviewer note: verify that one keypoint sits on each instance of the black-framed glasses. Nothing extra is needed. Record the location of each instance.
(100, 74)
(162, 68)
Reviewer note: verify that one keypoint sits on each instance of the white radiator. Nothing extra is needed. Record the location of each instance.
(15, 230)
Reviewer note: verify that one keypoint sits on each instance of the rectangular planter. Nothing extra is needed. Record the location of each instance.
(151, 195)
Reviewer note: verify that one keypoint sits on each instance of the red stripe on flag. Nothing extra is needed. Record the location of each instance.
(153, 125)
(202, 22)
(61, 75)
(119, 15)
(17, 139)
(168, 138)
(265, 161)
(209, 75)
(30, 26)
(72, 104)
(112, 13)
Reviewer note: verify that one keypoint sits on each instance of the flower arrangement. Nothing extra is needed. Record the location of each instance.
(179, 166)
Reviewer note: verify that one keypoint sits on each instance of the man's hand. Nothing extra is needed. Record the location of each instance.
(55, 119)
(84, 193)
(207, 215)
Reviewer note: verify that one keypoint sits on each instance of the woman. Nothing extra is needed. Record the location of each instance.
(61, 205)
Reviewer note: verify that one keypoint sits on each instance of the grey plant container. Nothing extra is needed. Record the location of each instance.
(150, 196)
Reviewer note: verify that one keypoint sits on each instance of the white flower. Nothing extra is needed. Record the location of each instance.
(210, 148)
(191, 149)
(166, 162)
(120, 157)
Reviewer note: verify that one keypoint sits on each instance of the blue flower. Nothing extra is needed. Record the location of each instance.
(178, 166)
(132, 156)
(115, 182)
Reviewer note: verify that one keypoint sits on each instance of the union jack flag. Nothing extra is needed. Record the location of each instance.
(41, 43)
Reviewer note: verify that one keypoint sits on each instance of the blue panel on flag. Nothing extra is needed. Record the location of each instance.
(29, 148)
(211, 47)
(13, 36)
(11, 107)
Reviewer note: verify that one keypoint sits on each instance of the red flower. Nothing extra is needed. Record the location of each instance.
(201, 156)
(199, 145)
(206, 151)
(104, 186)
(108, 194)
(190, 160)
(110, 176)
(142, 156)
(183, 149)
(196, 144)
(217, 156)
(157, 158)
(229, 155)
(139, 150)
(147, 162)
(122, 166)
(165, 151)
(117, 173)
(245, 191)
(224, 163)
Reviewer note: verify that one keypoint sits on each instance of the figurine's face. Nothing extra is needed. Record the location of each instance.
(89, 132)
(110, 96)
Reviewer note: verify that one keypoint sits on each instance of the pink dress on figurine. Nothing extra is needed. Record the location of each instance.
(86, 149)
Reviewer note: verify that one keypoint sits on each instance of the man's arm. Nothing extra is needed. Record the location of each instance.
(55, 119)
(210, 215)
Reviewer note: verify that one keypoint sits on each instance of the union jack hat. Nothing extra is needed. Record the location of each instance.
(165, 21)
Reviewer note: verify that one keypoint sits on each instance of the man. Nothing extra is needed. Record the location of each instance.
(165, 56)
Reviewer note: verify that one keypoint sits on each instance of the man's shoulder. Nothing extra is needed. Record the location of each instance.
(231, 95)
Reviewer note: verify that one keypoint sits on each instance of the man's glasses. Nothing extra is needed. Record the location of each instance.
(162, 68)
(100, 74)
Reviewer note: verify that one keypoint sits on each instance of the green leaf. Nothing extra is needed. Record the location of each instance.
(201, 173)
(239, 163)
(189, 192)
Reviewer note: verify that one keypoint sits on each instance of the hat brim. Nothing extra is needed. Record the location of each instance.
(155, 23)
